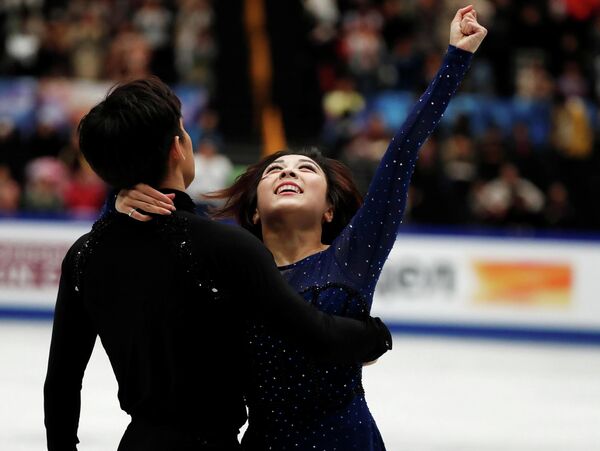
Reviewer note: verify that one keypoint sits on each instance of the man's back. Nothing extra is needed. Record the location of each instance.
(164, 318)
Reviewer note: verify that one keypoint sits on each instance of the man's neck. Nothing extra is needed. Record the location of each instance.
(173, 181)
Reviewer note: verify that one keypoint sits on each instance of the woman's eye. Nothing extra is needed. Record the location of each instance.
(310, 168)
(272, 168)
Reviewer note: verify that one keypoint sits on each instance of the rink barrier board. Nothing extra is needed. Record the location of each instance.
(488, 332)
(497, 332)
(437, 281)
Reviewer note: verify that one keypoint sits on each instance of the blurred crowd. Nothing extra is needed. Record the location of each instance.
(541, 56)
(540, 62)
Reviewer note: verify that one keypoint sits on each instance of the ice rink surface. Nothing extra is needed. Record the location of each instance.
(428, 394)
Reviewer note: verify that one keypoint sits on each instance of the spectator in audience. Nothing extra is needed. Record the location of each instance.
(87, 42)
(195, 46)
(45, 181)
(10, 191)
(213, 171)
(491, 151)
(429, 192)
(363, 152)
(572, 134)
(129, 55)
(558, 211)
(11, 148)
(206, 127)
(47, 140)
(460, 169)
(363, 47)
(571, 82)
(154, 21)
(343, 100)
(509, 200)
(22, 44)
(53, 56)
(533, 164)
(85, 192)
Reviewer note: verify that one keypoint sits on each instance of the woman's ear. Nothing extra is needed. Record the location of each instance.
(255, 217)
(328, 215)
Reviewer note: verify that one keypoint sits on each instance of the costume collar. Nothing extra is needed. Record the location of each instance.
(182, 200)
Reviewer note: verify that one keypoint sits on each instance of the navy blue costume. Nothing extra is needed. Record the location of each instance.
(296, 403)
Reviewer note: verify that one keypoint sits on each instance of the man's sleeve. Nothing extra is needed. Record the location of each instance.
(73, 338)
(261, 290)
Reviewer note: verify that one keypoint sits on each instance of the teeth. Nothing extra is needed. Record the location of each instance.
(293, 188)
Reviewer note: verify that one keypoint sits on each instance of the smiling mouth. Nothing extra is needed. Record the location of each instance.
(288, 188)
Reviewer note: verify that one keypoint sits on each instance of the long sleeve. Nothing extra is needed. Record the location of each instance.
(363, 246)
(266, 295)
(73, 338)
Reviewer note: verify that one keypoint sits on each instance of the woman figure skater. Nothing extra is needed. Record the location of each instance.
(307, 211)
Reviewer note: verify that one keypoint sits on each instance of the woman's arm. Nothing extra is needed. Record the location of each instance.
(263, 293)
(365, 243)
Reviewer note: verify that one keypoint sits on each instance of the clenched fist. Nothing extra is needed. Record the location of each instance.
(465, 32)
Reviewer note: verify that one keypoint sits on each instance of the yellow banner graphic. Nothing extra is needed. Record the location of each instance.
(524, 283)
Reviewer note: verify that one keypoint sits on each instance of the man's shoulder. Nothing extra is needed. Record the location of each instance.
(89, 241)
(211, 233)
(201, 223)
(79, 244)
(76, 249)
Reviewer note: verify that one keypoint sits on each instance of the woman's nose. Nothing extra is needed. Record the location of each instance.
(287, 173)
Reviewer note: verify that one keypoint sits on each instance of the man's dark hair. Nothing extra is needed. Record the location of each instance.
(126, 138)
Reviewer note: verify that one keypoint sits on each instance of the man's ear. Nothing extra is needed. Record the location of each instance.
(176, 150)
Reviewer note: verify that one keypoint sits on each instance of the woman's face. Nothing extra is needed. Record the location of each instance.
(293, 185)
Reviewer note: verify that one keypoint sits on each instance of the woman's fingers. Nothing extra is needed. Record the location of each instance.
(468, 27)
(151, 192)
(461, 12)
(144, 198)
(121, 201)
(148, 203)
(132, 201)
(139, 216)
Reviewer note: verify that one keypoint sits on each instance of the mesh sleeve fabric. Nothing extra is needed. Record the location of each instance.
(363, 246)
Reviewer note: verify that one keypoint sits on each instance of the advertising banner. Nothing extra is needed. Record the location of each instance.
(431, 279)
(500, 281)
(31, 254)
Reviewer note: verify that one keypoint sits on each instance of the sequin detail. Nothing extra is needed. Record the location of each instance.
(88, 247)
(176, 230)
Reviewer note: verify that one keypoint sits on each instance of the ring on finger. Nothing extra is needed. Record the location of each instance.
(131, 212)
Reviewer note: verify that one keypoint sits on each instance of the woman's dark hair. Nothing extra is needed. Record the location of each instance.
(126, 138)
(241, 198)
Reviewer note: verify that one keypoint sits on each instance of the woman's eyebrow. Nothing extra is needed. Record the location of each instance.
(311, 162)
(307, 161)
